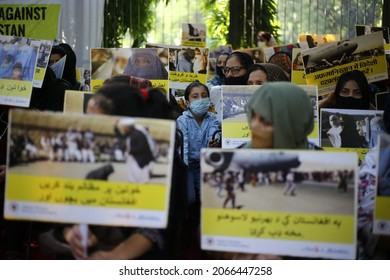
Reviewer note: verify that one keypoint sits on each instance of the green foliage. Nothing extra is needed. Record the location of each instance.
(237, 22)
(217, 22)
(123, 15)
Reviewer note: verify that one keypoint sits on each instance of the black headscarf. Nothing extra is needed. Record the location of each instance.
(246, 61)
(350, 102)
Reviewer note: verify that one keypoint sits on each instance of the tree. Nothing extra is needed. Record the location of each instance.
(123, 15)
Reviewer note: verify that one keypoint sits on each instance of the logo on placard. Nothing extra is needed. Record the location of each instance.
(210, 241)
(227, 142)
(382, 225)
(14, 207)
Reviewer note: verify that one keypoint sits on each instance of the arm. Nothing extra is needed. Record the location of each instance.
(214, 126)
(133, 247)
(327, 102)
(73, 236)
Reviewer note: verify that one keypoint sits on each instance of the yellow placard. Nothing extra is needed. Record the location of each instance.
(39, 74)
(279, 225)
(236, 130)
(38, 21)
(186, 77)
(382, 208)
(29, 188)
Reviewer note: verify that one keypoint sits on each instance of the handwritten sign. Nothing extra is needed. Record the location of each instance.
(95, 184)
(279, 202)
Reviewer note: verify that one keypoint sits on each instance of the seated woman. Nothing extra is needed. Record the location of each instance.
(236, 68)
(105, 242)
(352, 92)
(265, 72)
(273, 130)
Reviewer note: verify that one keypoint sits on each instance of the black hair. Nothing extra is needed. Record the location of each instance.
(192, 85)
(122, 99)
(361, 80)
(266, 36)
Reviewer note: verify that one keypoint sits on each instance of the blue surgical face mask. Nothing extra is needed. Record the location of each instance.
(200, 107)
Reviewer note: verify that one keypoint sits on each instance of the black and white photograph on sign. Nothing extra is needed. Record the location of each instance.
(148, 63)
(341, 128)
(299, 181)
(18, 58)
(234, 99)
(90, 147)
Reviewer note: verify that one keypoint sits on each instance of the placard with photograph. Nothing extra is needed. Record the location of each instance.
(76, 101)
(142, 63)
(350, 130)
(193, 35)
(382, 199)
(92, 169)
(235, 127)
(289, 203)
(325, 63)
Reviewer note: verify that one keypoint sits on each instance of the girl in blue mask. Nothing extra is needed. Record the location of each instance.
(198, 126)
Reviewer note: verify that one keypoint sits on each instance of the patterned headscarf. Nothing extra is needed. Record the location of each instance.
(274, 73)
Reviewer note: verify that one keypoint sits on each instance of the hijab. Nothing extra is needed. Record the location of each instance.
(289, 109)
(351, 102)
(274, 73)
(245, 61)
(154, 71)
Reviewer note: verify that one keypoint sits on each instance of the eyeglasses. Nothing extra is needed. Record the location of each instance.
(234, 70)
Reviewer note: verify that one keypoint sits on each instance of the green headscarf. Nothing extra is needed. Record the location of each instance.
(288, 108)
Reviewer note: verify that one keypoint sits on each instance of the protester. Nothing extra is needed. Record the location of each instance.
(236, 68)
(219, 77)
(265, 39)
(265, 72)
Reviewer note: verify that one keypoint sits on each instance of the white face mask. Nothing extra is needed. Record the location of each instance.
(260, 44)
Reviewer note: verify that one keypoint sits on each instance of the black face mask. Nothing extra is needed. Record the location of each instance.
(238, 81)
(351, 103)
(219, 71)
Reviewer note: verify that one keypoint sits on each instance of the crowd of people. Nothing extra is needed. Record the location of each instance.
(279, 114)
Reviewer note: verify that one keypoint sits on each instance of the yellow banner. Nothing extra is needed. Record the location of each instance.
(236, 130)
(298, 77)
(98, 193)
(39, 74)
(360, 151)
(15, 88)
(279, 225)
(382, 208)
(315, 132)
(39, 21)
(186, 77)
(373, 68)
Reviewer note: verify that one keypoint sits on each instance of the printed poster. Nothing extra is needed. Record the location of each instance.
(258, 54)
(289, 203)
(149, 64)
(18, 61)
(325, 63)
(350, 130)
(314, 40)
(76, 101)
(382, 200)
(235, 127)
(193, 35)
(213, 55)
(73, 168)
(297, 71)
(30, 20)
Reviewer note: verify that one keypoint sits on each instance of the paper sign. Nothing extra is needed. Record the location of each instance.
(73, 168)
(296, 203)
